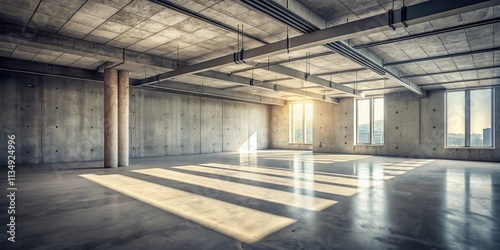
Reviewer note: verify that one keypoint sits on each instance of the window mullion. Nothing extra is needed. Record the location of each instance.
(371, 121)
(303, 123)
(467, 118)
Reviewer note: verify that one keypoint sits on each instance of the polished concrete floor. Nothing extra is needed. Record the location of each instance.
(263, 200)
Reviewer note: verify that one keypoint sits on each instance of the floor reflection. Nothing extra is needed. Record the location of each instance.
(369, 208)
(469, 218)
(373, 196)
(316, 158)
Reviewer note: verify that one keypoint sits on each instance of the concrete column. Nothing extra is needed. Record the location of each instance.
(123, 110)
(110, 118)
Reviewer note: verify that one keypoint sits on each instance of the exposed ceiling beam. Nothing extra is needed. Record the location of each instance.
(429, 33)
(29, 67)
(279, 79)
(43, 40)
(452, 71)
(313, 79)
(365, 58)
(350, 82)
(265, 81)
(460, 81)
(340, 72)
(106, 65)
(260, 65)
(443, 56)
(210, 92)
(364, 81)
(244, 81)
(417, 13)
(445, 83)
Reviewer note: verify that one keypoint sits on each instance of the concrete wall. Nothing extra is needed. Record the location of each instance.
(280, 116)
(61, 120)
(414, 127)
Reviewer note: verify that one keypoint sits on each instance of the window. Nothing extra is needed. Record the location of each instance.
(370, 121)
(301, 122)
(469, 118)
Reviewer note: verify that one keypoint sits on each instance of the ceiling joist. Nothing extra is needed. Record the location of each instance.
(418, 13)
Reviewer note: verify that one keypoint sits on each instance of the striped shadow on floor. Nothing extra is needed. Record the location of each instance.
(241, 223)
(261, 193)
(284, 181)
(306, 176)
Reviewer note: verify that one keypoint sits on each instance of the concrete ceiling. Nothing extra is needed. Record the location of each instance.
(149, 28)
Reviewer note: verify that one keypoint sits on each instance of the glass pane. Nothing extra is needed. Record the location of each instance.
(480, 118)
(309, 123)
(455, 118)
(363, 119)
(297, 122)
(378, 120)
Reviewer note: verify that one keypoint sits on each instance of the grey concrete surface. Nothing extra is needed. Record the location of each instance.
(123, 118)
(426, 204)
(61, 120)
(413, 127)
(110, 118)
(280, 130)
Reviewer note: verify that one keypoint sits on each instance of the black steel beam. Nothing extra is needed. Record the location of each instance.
(417, 13)
(366, 59)
(445, 83)
(443, 56)
(429, 33)
(452, 71)
(366, 80)
(340, 72)
(459, 81)
(244, 81)
(37, 68)
(20, 35)
(262, 65)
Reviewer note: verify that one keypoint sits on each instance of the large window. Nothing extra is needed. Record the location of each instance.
(370, 121)
(301, 122)
(469, 118)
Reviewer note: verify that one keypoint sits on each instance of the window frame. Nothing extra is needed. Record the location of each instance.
(467, 143)
(291, 124)
(372, 121)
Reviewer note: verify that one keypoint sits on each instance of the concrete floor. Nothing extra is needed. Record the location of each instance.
(261, 200)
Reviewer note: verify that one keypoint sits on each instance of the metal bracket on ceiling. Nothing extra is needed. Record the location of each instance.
(404, 16)
(287, 41)
(251, 80)
(238, 57)
(390, 19)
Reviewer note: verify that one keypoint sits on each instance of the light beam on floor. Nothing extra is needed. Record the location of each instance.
(308, 176)
(241, 223)
(261, 193)
(319, 187)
